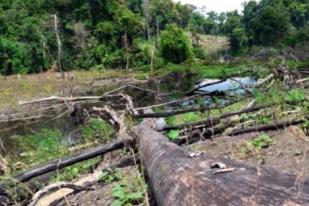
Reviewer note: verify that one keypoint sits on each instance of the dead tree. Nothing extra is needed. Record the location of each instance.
(179, 177)
(126, 46)
(59, 45)
(145, 6)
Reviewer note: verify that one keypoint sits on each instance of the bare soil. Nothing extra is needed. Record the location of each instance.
(103, 193)
(289, 150)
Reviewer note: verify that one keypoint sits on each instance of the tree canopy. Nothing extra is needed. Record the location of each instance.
(105, 32)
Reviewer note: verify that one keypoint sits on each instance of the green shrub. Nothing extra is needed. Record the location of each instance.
(175, 45)
(261, 141)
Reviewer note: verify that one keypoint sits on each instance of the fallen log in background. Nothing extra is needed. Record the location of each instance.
(73, 159)
(211, 121)
(181, 111)
(177, 177)
(268, 127)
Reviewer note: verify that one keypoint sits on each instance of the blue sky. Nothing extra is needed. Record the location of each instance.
(216, 5)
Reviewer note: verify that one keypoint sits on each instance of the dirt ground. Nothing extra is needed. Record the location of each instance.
(289, 150)
(103, 193)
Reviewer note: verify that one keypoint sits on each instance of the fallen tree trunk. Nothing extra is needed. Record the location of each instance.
(178, 177)
(268, 127)
(73, 159)
(197, 88)
(104, 97)
(180, 111)
(211, 121)
(167, 103)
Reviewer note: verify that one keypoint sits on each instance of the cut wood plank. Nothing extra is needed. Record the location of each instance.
(176, 177)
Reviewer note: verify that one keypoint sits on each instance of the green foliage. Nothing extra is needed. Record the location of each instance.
(93, 32)
(175, 45)
(109, 176)
(273, 95)
(173, 134)
(13, 57)
(264, 119)
(296, 95)
(43, 146)
(184, 118)
(97, 129)
(261, 141)
(123, 195)
(74, 171)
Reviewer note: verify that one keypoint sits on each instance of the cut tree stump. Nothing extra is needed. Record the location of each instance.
(179, 177)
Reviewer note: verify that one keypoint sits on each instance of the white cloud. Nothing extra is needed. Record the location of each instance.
(216, 5)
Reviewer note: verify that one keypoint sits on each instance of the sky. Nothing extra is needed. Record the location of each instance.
(216, 5)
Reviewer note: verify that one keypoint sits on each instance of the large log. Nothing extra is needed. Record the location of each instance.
(73, 159)
(178, 177)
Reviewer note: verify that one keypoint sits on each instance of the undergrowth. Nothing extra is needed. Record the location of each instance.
(97, 129)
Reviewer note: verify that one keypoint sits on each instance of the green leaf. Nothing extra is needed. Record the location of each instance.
(135, 196)
(119, 191)
(173, 134)
(117, 203)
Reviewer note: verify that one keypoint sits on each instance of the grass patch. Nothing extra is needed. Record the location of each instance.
(262, 141)
(96, 129)
(184, 118)
(255, 145)
(42, 147)
(72, 172)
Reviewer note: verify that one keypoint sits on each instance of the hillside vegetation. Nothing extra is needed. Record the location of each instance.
(37, 35)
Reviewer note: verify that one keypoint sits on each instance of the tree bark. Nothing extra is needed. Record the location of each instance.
(126, 45)
(145, 6)
(178, 177)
